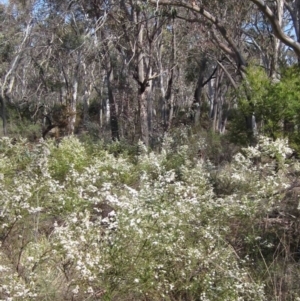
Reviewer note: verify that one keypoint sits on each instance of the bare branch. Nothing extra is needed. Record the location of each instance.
(218, 24)
(278, 32)
(228, 75)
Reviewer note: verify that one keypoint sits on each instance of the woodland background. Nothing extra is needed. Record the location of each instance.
(133, 70)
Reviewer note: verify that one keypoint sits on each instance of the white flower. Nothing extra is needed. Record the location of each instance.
(74, 219)
(112, 213)
(75, 291)
(33, 210)
(90, 290)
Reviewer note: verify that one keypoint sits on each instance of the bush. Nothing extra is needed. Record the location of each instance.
(168, 233)
(276, 106)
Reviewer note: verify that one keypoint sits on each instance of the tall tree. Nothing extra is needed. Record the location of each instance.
(18, 24)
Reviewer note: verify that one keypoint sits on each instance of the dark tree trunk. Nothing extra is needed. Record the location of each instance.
(3, 115)
(198, 91)
(167, 104)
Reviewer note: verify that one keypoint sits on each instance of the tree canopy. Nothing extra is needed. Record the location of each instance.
(134, 70)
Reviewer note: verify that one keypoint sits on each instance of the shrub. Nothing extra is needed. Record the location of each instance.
(169, 234)
(276, 106)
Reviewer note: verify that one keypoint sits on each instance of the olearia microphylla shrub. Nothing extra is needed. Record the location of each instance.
(256, 179)
(69, 153)
(168, 235)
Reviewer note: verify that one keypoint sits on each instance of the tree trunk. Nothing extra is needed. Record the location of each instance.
(198, 91)
(167, 97)
(217, 102)
(86, 97)
(165, 94)
(150, 110)
(143, 91)
(112, 106)
(277, 42)
(143, 113)
(73, 100)
(3, 115)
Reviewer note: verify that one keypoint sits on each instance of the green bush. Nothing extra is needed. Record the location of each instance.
(276, 106)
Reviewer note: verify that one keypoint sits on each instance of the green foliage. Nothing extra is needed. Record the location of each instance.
(194, 65)
(170, 234)
(72, 41)
(25, 129)
(70, 154)
(276, 106)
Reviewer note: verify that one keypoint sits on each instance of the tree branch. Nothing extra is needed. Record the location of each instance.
(278, 32)
(241, 62)
(228, 75)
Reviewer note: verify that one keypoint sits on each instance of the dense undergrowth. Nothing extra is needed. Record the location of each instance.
(87, 221)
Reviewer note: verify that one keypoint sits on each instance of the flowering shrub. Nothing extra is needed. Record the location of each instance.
(167, 235)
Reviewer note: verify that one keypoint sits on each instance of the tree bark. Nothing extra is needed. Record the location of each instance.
(141, 78)
(143, 113)
(277, 43)
(198, 90)
(73, 100)
(3, 115)
(112, 105)
(217, 100)
(86, 96)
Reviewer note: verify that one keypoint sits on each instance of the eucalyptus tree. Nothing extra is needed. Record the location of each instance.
(241, 34)
(68, 43)
(17, 24)
(58, 60)
(219, 26)
(141, 60)
(276, 24)
(141, 31)
(129, 38)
